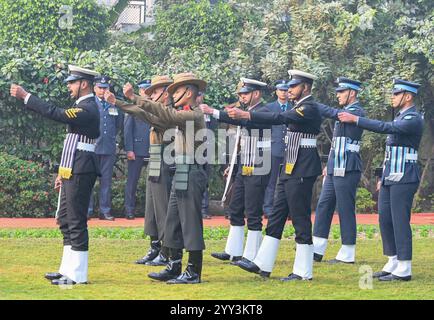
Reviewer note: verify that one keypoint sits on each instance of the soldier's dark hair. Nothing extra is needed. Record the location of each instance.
(89, 82)
(194, 89)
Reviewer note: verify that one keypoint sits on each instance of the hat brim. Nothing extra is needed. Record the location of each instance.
(102, 85)
(341, 89)
(294, 82)
(151, 88)
(201, 84)
(281, 87)
(246, 90)
(398, 90)
(72, 78)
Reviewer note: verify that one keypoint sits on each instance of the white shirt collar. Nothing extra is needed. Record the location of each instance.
(84, 98)
(252, 107)
(298, 102)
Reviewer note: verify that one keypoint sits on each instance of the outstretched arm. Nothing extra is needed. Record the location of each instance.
(410, 124)
(328, 112)
(135, 111)
(69, 116)
(295, 115)
(225, 116)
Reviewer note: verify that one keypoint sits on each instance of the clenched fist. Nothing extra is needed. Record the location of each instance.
(18, 92)
(347, 117)
(206, 109)
(236, 113)
(129, 91)
(131, 155)
(226, 172)
(110, 97)
(58, 183)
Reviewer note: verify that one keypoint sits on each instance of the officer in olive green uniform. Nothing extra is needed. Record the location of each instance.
(159, 173)
(184, 225)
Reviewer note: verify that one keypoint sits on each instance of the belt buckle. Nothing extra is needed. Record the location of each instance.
(247, 170)
(289, 167)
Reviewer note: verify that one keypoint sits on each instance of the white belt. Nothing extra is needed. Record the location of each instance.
(411, 157)
(264, 144)
(304, 142)
(85, 147)
(353, 147)
(408, 157)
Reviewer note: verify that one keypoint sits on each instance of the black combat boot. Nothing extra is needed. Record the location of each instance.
(173, 267)
(193, 272)
(152, 252)
(162, 259)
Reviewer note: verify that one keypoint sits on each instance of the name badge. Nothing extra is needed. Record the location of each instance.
(113, 111)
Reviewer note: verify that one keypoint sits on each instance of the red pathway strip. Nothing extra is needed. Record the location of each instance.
(217, 221)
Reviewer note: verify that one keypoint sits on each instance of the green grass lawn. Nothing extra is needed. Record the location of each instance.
(113, 275)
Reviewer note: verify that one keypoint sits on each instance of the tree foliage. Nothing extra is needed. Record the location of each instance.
(370, 40)
(77, 24)
(41, 70)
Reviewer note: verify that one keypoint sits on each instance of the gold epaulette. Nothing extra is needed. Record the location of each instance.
(72, 113)
(299, 110)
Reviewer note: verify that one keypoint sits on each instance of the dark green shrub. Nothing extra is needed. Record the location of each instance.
(26, 189)
(364, 202)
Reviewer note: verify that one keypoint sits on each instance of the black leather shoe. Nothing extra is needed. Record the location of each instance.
(107, 216)
(53, 275)
(189, 276)
(221, 256)
(317, 257)
(250, 266)
(236, 260)
(392, 277)
(64, 281)
(380, 274)
(293, 277)
(130, 217)
(172, 271)
(336, 261)
(160, 260)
